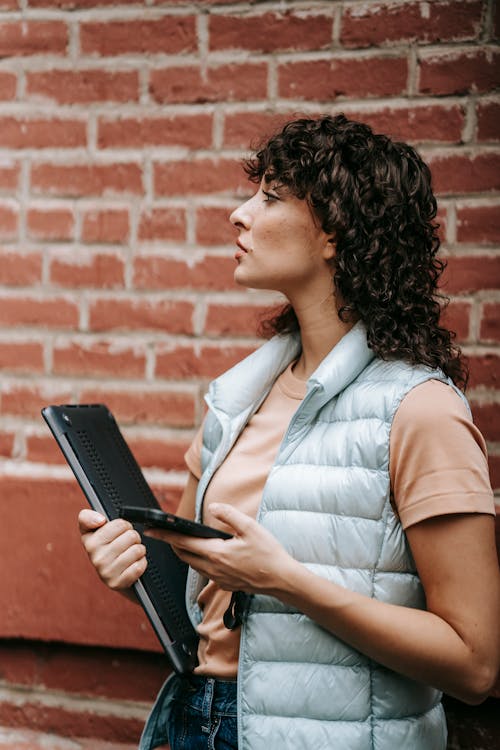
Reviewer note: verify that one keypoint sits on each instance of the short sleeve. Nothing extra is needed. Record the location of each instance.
(192, 457)
(438, 457)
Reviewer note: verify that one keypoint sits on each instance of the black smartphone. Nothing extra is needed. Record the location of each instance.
(159, 519)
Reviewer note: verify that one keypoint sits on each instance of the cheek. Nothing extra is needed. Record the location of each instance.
(268, 236)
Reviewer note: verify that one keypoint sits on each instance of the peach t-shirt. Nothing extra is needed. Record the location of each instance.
(438, 465)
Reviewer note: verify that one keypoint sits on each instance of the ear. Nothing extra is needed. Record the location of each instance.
(329, 248)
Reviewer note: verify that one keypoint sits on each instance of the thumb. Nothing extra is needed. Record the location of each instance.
(88, 520)
(232, 517)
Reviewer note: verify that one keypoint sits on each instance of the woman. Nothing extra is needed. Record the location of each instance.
(342, 457)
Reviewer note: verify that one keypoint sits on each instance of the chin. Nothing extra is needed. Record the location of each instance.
(243, 279)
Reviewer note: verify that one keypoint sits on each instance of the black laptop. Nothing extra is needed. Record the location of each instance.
(110, 477)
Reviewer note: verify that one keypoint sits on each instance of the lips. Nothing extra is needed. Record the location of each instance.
(241, 251)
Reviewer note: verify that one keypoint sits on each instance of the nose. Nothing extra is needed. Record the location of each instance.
(241, 216)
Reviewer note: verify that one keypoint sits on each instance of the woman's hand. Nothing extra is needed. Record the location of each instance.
(252, 561)
(114, 549)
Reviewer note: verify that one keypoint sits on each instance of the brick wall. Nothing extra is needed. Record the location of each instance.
(121, 130)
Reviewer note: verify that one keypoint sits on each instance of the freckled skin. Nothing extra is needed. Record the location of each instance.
(287, 248)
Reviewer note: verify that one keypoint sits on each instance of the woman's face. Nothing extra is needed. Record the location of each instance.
(281, 245)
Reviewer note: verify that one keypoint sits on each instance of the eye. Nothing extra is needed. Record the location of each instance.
(270, 197)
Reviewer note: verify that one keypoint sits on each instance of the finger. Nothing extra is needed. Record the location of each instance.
(104, 553)
(237, 521)
(111, 531)
(88, 520)
(115, 567)
(195, 545)
(99, 543)
(127, 576)
(125, 541)
(197, 562)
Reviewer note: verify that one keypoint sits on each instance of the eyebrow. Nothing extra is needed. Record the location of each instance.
(275, 184)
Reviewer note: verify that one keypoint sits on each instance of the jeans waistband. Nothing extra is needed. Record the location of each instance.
(207, 694)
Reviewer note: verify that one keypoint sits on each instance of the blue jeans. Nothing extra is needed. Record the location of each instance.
(204, 715)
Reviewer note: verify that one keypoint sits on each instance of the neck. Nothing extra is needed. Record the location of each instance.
(320, 330)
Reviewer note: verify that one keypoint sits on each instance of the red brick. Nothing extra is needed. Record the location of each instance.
(109, 673)
(137, 314)
(488, 121)
(459, 72)
(8, 221)
(160, 272)
(459, 173)
(6, 450)
(471, 273)
(487, 418)
(244, 129)
(271, 32)
(21, 356)
(50, 223)
(27, 401)
(33, 38)
(192, 131)
(105, 225)
(226, 83)
(213, 226)
(101, 358)
(208, 362)
(79, 180)
(27, 739)
(484, 370)
(161, 407)
(494, 466)
(490, 322)
(479, 224)
(9, 176)
(169, 35)
(87, 268)
(61, 587)
(20, 269)
(381, 22)
(62, 721)
(9, 4)
(456, 317)
(43, 449)
(83, 86)
(8, 85)
(163, 224)
(159, 453)
(416, 124)
(17, 132)
(200, 176)
(20, 663)
(77, 4)
(53, 312)
(169, 498)
(442, 221)
(325, 80)
(234, 320)
(200, 2)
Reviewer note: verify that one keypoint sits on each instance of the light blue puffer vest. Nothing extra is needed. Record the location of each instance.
(327, 499)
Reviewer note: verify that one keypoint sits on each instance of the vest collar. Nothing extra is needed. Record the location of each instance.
(340, 367)
(240, 388)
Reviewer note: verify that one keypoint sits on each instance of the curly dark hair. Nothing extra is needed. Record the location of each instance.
(374, 196)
